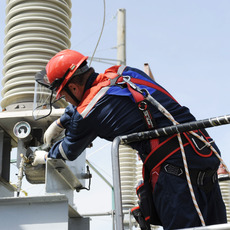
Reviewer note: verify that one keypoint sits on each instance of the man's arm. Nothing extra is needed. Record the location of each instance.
(78, 135)
(58, 126)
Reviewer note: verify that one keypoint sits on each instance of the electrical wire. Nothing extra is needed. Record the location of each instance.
(102, 28)
(50, 107)
(90, 154)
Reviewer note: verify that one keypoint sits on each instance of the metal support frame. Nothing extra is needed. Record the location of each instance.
(59, 178)
(5, 149)
(117, 184)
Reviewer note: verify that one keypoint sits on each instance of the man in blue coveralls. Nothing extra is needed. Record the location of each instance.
(106, 106)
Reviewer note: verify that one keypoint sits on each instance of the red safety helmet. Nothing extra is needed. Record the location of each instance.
(62, 66)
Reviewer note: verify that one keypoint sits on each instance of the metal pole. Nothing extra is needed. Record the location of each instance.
(117, 184)
(121, 60)
(148, 71)
(121, 37)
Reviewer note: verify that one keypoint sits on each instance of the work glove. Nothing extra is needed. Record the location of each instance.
(53, 131)
(39, 157)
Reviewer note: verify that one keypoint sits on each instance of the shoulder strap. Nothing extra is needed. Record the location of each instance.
(121, 70)
(98, 90)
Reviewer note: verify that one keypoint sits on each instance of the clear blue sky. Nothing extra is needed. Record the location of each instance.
(187, 45)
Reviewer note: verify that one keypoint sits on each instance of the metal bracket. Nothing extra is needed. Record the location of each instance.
(60, 179)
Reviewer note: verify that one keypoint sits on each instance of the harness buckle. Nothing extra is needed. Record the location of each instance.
(208, 144)
(200, 178)
(142, 105)
(171, 169)
(113, 81)
(126, 79)
(206, 174)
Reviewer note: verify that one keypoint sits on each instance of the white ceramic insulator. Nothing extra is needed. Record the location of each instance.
(127, 158)
(35, 31)
(224, 182)
(139, 173)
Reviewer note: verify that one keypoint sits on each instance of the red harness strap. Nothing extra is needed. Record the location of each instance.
(149, 84)
(143, 108)
(163, 151)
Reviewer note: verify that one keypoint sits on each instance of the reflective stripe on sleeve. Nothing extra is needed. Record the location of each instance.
(61, 150)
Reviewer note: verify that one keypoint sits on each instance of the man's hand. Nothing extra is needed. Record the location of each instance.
(53, 131)
(39, 157)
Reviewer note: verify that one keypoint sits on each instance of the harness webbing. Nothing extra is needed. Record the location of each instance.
(140, 101)
(138, 96)
(149, 84)
(116, 80)
(163, 151)
(170, 117)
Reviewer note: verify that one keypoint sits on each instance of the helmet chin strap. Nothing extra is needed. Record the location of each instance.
(71, 94)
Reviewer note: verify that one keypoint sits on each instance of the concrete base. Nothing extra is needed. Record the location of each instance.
(36, 213)
(6, 189)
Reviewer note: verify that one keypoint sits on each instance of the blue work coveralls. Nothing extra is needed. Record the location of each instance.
(114, 114)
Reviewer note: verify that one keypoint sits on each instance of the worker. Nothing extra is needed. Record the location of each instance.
(113, 104)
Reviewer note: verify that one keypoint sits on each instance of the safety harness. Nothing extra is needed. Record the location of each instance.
(147, 213)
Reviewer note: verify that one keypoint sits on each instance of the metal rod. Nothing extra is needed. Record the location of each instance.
(20, 174)
(169, 130)
(109, 213)
(99, 174)
(117, 184)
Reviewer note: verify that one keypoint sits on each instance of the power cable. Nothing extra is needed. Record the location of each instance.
(103, 24)
(90, 154)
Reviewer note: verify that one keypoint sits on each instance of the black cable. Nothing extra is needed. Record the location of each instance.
(50, 105)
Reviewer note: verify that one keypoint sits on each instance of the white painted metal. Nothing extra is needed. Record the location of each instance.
(61, 179)
(34, 32)
(9, 119)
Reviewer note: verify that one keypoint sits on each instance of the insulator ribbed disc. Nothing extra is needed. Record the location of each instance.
(225, 191)
(127, 157)
(35, 31)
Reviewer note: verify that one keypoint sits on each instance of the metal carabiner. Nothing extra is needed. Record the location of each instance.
(144, 92)
(126, 79)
